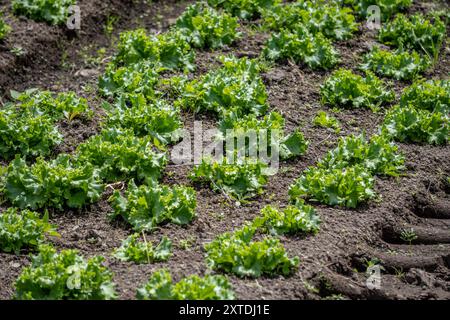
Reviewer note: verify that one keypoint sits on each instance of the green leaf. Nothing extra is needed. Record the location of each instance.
(23, 229)
(300, 45)
(4, 30)
(64, 275)
(140, 251)
(387, 7)
(400, 65)
(56, 183)
(346, 186)
(297, 218)
(378, 155)
(329, 19)
(414, 32)
(147, 206)
(244, 9)
(156, 119)
(239, 180)
(237, 87)
(204, 27)
(165, 51)
(324, 120)
(193, 287)
(293, 145)
(411, 124)
(236, 253)
(348, 90)
(119, 155)
(51, 11)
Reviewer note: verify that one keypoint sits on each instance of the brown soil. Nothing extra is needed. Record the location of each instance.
(333, 262)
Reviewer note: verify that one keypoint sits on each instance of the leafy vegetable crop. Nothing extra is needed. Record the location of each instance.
(346, 187)
(23, 229)
(147, 206)
(119, 154)
(237, 86)
(56, 183)
(379, 155)
(345, 175)
(271, 125)
(431, 95)
(348, 90)
(300, 45)
(166, 51)
(297, 218)
(398, 65)
(387, 7)
(28, 126)
(331, 20)
(4, 27)
(155, 118)
(26, 133)
(324, 120)
(193, 287)
(236, 253)
(410, 124)
(50, 11)
(423, 113)
(64, 275)
(138, 78)
(62, 105)
(237, 180)
(204, 27)
(138, 251)
(414, 32)
(244, 9)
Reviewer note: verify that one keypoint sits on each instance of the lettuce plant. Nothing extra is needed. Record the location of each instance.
(204, 27)
(348, 90)
(345, 175)
(411, 124)
(154, 118)
(27, 134)
(63, 105)
(147, 206)
(237, 86)
(422, 115)
(166, 51)
(4, 27)
(387, 7)
(21, 229)
(431, 95)
(331, 20)
(140, 251)
(237, 253)
(294, 219)
(50, 11)
(378, 155)
(138, 78)
(160, 286)
(28, 125)
(272, 124)
(414, 32)
(238, 180)
(119, 154)
(346, 186)
(244, 9)
(56, 183)
(324, 120)
(400, 65)
(64, 275)
(314, 50)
